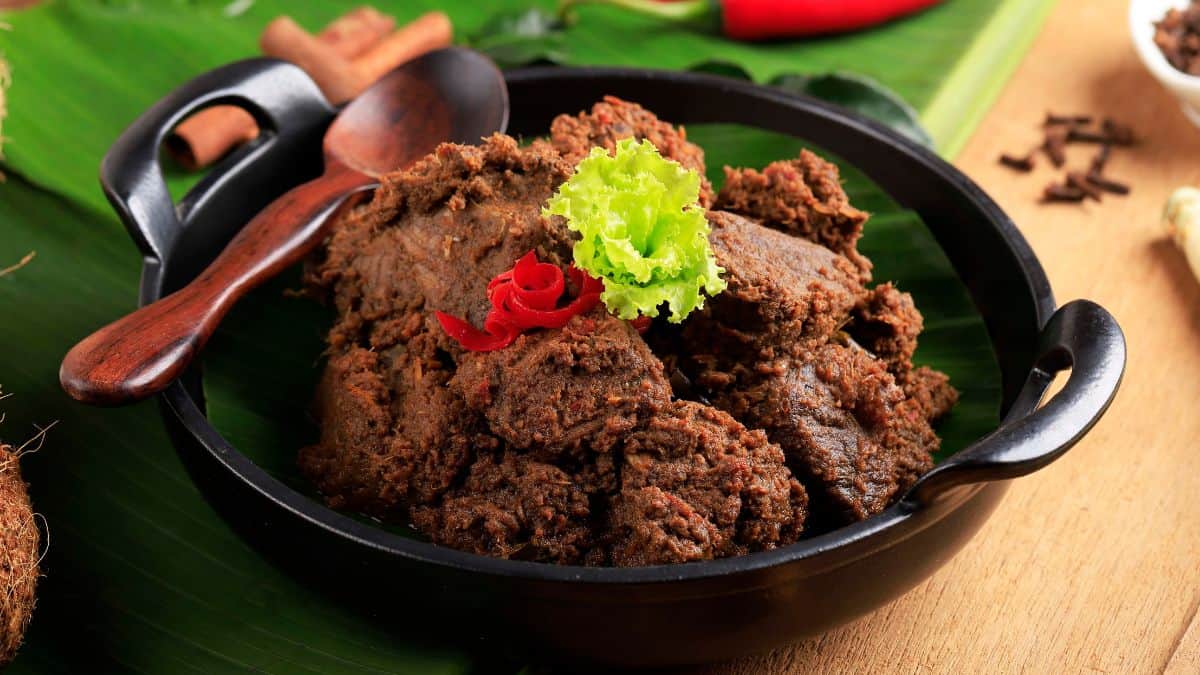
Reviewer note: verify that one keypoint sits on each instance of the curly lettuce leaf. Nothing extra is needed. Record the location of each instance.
(642, 231)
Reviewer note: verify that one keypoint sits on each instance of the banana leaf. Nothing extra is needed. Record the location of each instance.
(82, 70)
(141, 575)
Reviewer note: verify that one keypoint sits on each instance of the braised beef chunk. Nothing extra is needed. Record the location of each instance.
(392, 433)
(804, 197)
(788, 405)
(849, 432)
(587, 384)
(778, 350)
(612, 120)
(785, 294)
(696, 484)
(887, 323)
(930, 390)
(513, 507)
(650, 526)
(434, 235)
(431, 238)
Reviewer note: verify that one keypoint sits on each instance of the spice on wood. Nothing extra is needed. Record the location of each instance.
(1117, 133)
(1023, 164)
(1056, 192)
(1080, 182)
(1096, 168)
(1070, 120)
(1055, 144)
(1059, 131)
(1109, 185)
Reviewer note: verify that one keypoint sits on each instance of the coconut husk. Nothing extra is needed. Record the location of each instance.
(19, 557)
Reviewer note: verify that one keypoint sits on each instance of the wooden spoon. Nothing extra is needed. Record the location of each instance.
(451, 95)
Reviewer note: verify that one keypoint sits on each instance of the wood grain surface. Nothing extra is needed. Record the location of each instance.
(1092, 564)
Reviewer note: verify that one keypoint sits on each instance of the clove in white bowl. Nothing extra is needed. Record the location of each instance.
(1143, 14)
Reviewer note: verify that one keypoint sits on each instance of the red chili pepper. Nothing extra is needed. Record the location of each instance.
(522, 298)
(499, 335)
(508, 300)
(586, 283)
(540, 284)
(497, 280)
(765, 19)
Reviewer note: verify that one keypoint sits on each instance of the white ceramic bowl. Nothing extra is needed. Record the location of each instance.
(1142, 16)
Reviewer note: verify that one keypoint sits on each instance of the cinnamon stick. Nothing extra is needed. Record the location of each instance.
(206, 136)
(356, 31)
(363, 35)
(283, 38)
(426, 33)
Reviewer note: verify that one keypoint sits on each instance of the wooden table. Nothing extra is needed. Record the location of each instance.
(1092, 564)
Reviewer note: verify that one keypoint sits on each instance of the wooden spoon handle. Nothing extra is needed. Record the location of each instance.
(139, 355)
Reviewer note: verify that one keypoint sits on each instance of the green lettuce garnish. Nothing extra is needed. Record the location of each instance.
(642, 230)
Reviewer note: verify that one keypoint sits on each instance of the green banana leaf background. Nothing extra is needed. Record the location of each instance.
(140, 574)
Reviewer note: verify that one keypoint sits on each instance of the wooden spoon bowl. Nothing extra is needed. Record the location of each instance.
(450, 95)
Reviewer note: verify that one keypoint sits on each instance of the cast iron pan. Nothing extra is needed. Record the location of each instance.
(655, 615)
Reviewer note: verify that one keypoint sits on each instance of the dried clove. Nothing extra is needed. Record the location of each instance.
(1061, 130)
(1117, 133)
(1110, 132)
(1080, 182)
(1077, 135)
(1022, 164)
(1096, 168)
(1055, 192)
(1108, 185)
(1052, 119)
(1177, 35)
(1054, 145)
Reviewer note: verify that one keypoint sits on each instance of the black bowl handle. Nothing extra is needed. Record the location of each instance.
(283, 100)
(1081, 336)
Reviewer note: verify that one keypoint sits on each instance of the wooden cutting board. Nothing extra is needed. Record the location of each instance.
(1092, 564)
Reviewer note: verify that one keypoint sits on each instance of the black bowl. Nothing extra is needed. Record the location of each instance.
(655, 615)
